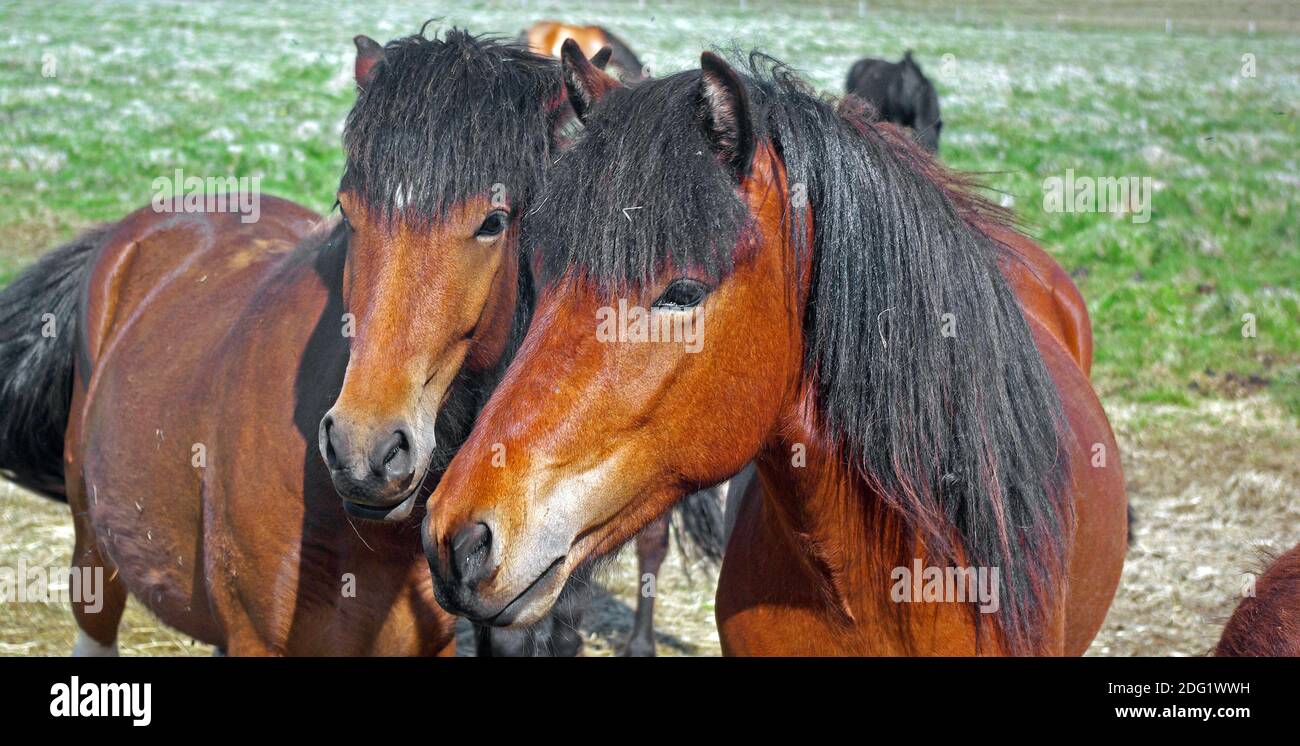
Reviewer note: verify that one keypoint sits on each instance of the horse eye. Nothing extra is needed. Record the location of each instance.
(682, 294)
(493, 225)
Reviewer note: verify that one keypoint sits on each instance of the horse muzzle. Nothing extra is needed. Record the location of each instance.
(470, 581)
(375, 471)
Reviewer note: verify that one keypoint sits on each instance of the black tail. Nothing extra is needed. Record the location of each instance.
(40, 320)
(697, 524)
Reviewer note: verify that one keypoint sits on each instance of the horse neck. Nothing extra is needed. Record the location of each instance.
(825, 513)
(838, 526)
(820, 510)
(848, 543)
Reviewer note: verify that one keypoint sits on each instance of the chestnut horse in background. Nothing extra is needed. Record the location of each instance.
(215, 386)
(548, 37)
(911, 399)
(1268, 622)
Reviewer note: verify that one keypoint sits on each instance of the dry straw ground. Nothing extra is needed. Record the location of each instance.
(1214, 488)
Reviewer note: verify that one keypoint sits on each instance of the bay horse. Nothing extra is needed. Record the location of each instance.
(215, 386)
(901, 94)
(368, 275)
(548, 37)
(912, 399)
(1267, 623)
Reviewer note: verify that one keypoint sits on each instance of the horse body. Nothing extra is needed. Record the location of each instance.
(794, 579)
(900, 93)
(548, 37)
(1267, 622)
(231, 534)
(212, 358)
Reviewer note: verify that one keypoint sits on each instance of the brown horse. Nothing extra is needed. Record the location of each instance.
(912, 390)
(221, 379)
(1267, 622)
(597, 42)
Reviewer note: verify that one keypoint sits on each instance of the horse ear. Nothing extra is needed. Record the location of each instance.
(369, 54)
(601, 58)
(584, 82)
(726, 113)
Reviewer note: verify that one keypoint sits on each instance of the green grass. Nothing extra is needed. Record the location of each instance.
(261, 88)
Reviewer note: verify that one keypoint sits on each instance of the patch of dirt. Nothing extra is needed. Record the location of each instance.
(1214, 489)
(1213, 486)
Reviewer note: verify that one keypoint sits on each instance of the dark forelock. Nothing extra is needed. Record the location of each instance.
(449, 118)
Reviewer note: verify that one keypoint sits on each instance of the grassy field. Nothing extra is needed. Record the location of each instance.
(99, 99)
(136, 90)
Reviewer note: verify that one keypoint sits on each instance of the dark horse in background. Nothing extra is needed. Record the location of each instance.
(901, 94)
(547, 37)
(212, 387)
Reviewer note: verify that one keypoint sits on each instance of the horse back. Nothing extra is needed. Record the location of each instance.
(148, 250)
(1046, 292)
(1061, 329)
(1099, 532)
(869, 79)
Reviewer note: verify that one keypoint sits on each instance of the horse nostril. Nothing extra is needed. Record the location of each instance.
(391, 458)
(469, 554)
(327, 443)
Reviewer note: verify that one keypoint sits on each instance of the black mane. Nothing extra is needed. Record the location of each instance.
(962, 436)
(447, 119)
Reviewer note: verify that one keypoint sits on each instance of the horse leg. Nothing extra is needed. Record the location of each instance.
(651, 549)
(98, 608)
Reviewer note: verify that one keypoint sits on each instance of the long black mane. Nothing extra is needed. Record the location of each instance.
(444, 119)
(962, 436)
